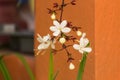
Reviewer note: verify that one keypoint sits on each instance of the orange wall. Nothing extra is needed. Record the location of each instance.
(81, 15)
(107, 39)
(107, 23)
(16, 68)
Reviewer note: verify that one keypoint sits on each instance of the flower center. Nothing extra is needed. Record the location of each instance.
(80, 47)
(60, 28)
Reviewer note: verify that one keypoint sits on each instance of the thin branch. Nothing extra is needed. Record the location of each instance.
(63, 48)
(62, 6)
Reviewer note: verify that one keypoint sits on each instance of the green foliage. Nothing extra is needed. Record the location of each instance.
(82, 66)
(3, 69)
(51, 66)
(88, 44)
(55, 76)
(26, 66)
(5, 72)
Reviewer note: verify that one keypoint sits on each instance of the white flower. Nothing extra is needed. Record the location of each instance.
(82, 46)
(45, 42)
(59, 27)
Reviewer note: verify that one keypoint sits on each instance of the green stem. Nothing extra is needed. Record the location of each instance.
(51, 66)
(82, 66)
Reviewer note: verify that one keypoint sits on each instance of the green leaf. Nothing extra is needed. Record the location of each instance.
(88, 44)
(26, 66)
(51, 66)
(82, 66)
(4, 70)
(55, 76)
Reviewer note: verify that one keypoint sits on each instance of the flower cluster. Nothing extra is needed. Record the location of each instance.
(61, 33)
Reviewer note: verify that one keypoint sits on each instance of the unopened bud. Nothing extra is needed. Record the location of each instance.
(53, 16)
(71, 66)
(62, 40)
(79, 33)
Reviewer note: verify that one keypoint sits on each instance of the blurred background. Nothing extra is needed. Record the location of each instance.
(17, 26)
(17, 33)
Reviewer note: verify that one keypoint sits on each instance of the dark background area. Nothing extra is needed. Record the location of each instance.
(16, 26)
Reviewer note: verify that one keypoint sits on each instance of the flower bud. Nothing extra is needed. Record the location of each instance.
(53, 16)
(62, 40)
(79, 33)
(71, 66)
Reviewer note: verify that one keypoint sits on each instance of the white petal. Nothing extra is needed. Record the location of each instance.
(48, 35)
(39, 38)
(83, 35)
(88, 49)
(66, 30)
(46, 38)
(52, 46)
(53, 28)
(56, 23)
(63, 24)
(47, 45)
(81, 51)
(84, 42)
(56, 33)
(76, 46)
(41, 46)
